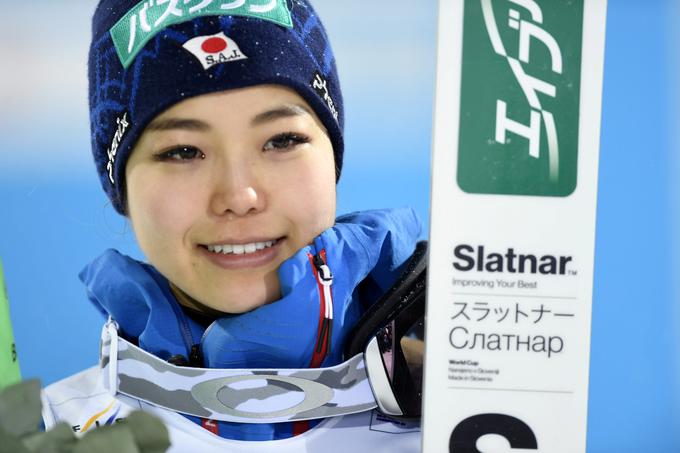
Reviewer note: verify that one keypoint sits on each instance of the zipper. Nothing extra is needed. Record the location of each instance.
(194, 357)
(324, 279)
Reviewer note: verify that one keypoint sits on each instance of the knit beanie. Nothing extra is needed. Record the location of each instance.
(146, 56)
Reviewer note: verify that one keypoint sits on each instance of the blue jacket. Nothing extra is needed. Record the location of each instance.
(364, 251)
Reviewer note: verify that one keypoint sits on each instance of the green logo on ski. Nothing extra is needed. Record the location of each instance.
(519, 114)
(9, 365)
(149, 17)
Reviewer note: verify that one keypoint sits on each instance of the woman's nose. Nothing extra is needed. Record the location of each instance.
(237, 190)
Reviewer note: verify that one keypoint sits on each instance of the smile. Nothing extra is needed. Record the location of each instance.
(240, 249)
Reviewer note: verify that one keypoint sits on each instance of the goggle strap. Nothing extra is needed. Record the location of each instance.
(234, 395)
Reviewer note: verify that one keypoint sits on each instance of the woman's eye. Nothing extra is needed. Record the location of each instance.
(285, 142)
(181, 153)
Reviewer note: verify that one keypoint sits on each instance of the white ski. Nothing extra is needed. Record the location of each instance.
(516, 143)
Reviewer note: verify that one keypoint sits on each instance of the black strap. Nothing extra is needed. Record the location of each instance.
(407, 292)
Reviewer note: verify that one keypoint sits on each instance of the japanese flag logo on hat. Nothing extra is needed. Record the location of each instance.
(214, 49)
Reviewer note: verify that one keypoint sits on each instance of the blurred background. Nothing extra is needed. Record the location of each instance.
(55, 218)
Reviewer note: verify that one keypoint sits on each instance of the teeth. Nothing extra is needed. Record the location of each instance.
(240, 249)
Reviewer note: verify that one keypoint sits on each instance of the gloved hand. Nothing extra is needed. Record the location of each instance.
(20, 422)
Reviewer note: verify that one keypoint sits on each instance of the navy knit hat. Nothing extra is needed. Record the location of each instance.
(146, 56)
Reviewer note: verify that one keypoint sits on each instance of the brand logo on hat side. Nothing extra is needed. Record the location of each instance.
(214, 49)
(320, 85)
(122, 125)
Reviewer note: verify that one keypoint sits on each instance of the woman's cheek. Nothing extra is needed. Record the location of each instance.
(159, 210)
(316, 210)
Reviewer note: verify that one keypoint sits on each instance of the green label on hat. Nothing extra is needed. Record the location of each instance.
(149, 17)
(9, 365)
(519, 114)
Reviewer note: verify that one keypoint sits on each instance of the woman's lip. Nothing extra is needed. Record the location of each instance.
(242, 241)
(244, 260)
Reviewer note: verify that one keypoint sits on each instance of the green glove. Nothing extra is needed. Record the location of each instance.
(20, 420)
(9, 365)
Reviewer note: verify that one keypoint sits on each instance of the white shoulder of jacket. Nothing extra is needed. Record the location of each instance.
(82, 401)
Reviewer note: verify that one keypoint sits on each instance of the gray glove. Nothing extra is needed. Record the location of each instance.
(21, 421)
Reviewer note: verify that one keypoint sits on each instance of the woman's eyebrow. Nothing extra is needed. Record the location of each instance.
(189, 124)
(283, 111)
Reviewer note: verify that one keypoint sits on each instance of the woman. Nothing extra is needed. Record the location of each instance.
(217, 130)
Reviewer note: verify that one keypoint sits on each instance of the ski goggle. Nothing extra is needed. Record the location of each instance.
(383, 370)
(394, 353)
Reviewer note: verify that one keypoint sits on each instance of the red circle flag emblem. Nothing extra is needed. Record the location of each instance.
(214, 45)
(214, 49)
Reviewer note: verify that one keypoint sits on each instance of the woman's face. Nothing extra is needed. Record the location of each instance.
(222, 188)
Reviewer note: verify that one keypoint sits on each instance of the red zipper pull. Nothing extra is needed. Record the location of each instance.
(324, 278)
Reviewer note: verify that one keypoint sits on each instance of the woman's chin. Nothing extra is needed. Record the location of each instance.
(239, 303)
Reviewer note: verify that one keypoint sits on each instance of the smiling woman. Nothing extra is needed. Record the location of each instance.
(252, 180)
(218, 133)
(55, 220)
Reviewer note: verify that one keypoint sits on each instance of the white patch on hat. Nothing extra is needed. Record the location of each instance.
(214, 49)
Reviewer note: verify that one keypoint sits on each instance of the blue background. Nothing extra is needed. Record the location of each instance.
(55, 219)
